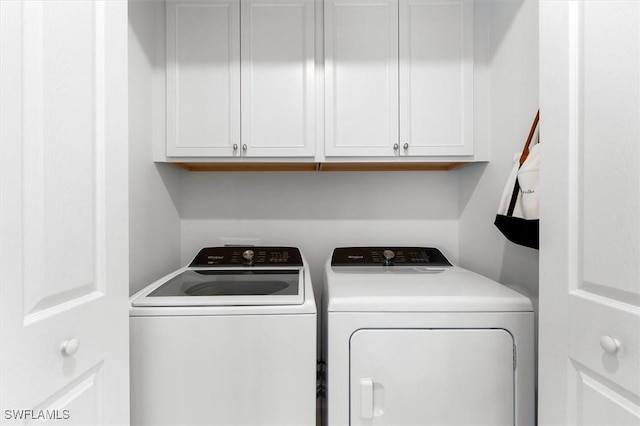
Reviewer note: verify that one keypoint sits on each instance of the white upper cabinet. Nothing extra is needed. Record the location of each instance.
(361, 77)
(203, 77)
(399, 78)
(278, 103)
(436, 77)
(224, 103)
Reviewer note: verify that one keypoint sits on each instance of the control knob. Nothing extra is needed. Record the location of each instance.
(388, 257)
(247, 255)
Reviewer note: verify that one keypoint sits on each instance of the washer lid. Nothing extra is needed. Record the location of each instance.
(226, 286)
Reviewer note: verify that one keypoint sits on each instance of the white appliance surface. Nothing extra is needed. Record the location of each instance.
(202, 353)
(411, 288)
(411, 339)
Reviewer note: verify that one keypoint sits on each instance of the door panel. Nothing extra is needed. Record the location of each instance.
(60, 191)
(608, 67)
(590, 244)
(361, 77)
(600, 401)
(78, 403)
(278, 91)
(203, 77)
(64, 257)
(436, 377)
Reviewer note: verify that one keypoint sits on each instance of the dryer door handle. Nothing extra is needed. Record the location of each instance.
(366, 398)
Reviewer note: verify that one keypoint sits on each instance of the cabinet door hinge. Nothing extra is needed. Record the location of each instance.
(514, 357)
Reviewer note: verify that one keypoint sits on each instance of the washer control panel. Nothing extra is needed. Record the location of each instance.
(388, 256)
(248, 256)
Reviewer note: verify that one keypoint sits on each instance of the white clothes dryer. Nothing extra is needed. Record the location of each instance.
(229, 339)
(412, 340)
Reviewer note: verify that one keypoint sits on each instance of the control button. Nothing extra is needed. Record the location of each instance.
(276, 257)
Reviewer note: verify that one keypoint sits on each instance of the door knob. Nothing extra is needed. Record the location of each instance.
(70, 346)
(609, 344)
(405, 146)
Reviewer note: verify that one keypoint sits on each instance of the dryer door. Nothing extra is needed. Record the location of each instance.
(432, 377)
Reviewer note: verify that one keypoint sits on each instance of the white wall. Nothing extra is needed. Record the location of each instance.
(319, 211)
(154, 242)
(512, 63)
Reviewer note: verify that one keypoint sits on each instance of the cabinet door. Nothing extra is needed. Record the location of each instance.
(361, 77)
(432, 377)
(278, 102)
(203, 77)
(436, 77)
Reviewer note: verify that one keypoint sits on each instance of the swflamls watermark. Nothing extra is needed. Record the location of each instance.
(37, 414)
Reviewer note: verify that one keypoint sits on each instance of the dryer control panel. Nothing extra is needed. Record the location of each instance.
(248, 256)
(388, 256)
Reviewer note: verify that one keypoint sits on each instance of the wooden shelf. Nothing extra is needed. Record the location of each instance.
(248, 167)
(321, 167)
(387, 167)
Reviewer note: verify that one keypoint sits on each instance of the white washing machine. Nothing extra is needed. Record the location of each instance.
(412, 340)
(228, 340)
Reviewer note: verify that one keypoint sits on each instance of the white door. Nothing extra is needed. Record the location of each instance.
(63, 212)
(203, 78)
(278, 94)
(361, 77)
(436, 77)
(589, 358)
(431, 377)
